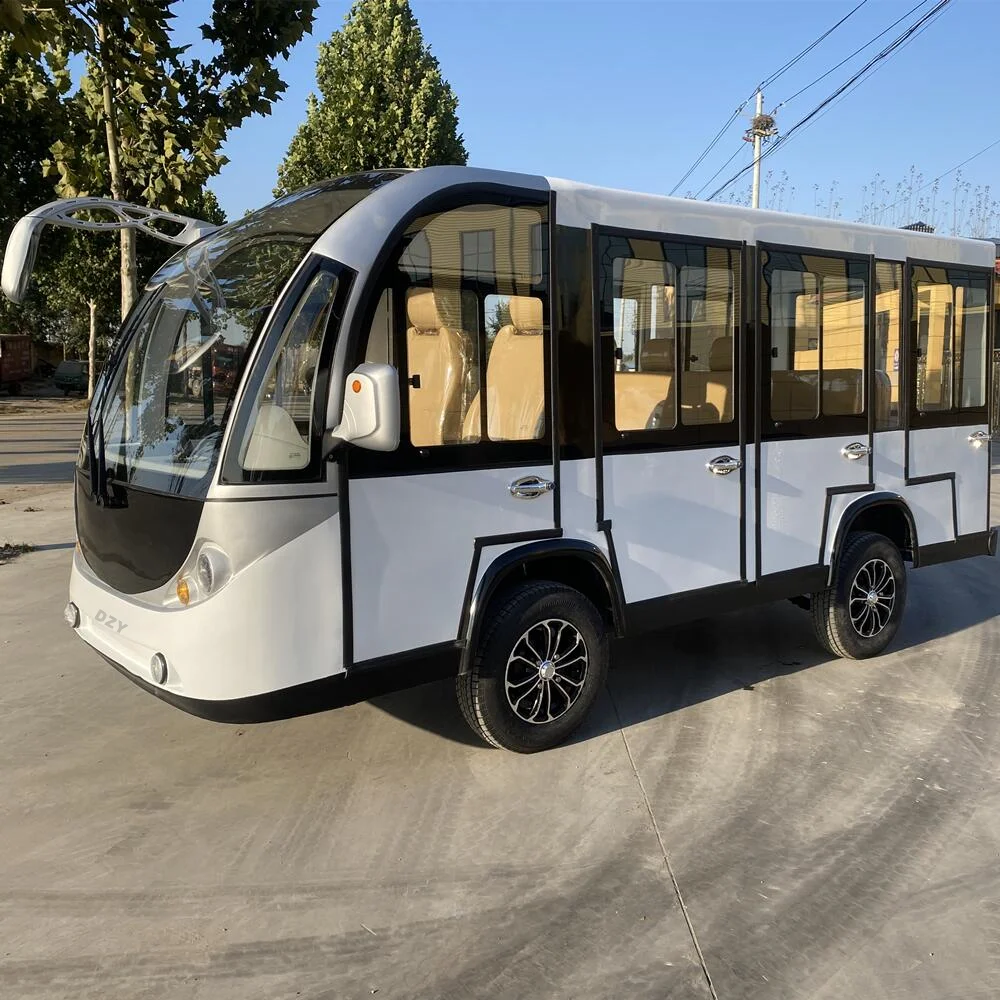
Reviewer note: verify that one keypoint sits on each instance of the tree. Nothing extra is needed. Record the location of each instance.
(30, 120)
(384, 102)
(79, 291)
(147, 123)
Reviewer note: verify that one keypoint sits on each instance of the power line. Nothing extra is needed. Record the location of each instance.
(864, 77)
(774, 76)
(739, 150)
(708, 149)
(895, 44)
(791, 62)
(867, 44)
(930, 183)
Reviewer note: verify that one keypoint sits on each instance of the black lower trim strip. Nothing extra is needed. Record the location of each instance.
(368, 679)
(978, 543)
(706, 602)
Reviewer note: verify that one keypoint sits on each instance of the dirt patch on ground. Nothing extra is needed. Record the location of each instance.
(11, 405)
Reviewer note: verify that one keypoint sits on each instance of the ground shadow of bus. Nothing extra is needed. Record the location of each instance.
(664, 672)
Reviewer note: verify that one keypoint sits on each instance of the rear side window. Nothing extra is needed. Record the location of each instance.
(813, 309)
(668, 312)
(949, 319)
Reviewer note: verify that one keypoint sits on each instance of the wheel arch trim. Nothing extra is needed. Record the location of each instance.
(507, 563)
(867, 502)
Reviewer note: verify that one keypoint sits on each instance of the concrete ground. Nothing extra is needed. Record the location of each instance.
(741, 814)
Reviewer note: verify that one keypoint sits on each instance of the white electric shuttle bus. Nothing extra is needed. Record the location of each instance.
(482, 422)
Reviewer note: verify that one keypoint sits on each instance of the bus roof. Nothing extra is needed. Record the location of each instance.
(585, 205)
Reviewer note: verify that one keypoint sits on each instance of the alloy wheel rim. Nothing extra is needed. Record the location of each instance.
(872, 598)
(546, 671)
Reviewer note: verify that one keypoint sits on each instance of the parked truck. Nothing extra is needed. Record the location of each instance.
(15, 362)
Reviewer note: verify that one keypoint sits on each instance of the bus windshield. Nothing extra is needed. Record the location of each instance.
(158, 417)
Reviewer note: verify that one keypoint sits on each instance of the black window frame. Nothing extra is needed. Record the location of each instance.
(731, 433)
(954, 416)
(822, 425)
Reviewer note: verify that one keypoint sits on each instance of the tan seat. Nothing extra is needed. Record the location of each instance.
(707, 397)
(793, 395)
(515, 378)
(638, 393)
(843, 391)
(438, 353)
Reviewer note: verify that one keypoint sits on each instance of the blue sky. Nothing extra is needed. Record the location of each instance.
(627, 94)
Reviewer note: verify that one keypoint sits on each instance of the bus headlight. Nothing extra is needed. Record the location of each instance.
(203, 575)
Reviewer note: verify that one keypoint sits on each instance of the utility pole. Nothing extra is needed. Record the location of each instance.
(761, 128)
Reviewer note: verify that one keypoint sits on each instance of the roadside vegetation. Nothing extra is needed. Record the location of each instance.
(11, 550)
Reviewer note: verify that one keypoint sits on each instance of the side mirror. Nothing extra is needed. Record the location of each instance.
(371, 409)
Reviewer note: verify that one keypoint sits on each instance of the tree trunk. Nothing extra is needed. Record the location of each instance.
(128, 268)
(92, 349)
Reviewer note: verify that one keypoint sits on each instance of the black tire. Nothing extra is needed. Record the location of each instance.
(14, 388)
(529, 610)
(869, 564)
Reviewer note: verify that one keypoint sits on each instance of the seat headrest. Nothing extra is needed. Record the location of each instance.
(720, 356)
(422, 311)
(526, 314)
(657, 355)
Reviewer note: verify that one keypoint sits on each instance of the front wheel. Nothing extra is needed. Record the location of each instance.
(539, 666)
(858, 616)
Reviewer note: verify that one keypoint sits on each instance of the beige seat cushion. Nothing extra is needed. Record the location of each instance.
(843, 390)
(638, 393)
(515, 378)
(708, 396)
(438, 353)
(793, 395)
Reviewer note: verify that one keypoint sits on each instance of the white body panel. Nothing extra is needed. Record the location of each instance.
(578, 502)
(412, 540)
(676, 525)
(938, 450)
(930, 503)
(794, 478)
(250, 638)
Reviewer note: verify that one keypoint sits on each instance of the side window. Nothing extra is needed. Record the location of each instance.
(668, 312)
(949, 317)
(888, 327)
(814, 310)
(475, 295)
(279, 433)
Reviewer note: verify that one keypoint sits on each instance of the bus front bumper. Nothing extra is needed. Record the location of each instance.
(223, 661)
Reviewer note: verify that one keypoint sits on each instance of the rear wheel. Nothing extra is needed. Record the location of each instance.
(14, 388)
(539, 666)
(858, 616)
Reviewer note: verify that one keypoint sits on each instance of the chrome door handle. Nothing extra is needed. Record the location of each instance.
(530, 487)
(978, 438)
(855, 450)
(723, 465)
